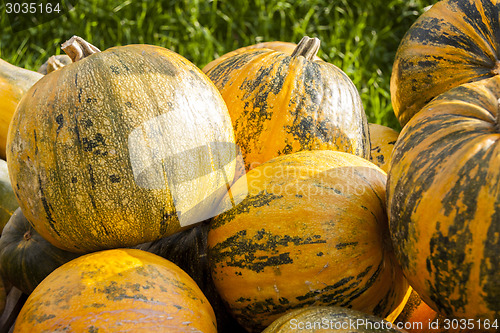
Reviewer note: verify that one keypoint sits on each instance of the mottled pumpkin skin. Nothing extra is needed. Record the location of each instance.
(285, 47)
(87, 149)
(188, 250)
(281, 104)
(444, 201)
(419, 314)
(119, 290)
(8, 201)
(311, 231)
(454, 42)
(329, 319)
(418, 317)
(382, 141)
(14, 83)
(26, 258)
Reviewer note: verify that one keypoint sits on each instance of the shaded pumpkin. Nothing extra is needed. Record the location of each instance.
(454, 42)
(280, 103)
(26, 258)
(3, 295)
(391, 317)
(382, 141)
(126, 290)
(418, 317)
(444, 201)
(14, 83)
(285, 47)
(8, 201)
(331, 319)
(311, 231)
(122, 147)
(188, 250)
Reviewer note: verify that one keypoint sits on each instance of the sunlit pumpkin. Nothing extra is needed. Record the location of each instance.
(281, 103)
(311, 231)
(444, 201)
(119, 148)
(14, 83)
(285, 47)
(119, 290)
(454, 42)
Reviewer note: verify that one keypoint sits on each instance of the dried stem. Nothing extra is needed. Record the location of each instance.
(307, 47)
(77, 48)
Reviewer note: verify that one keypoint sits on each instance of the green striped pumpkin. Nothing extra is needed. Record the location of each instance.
(454, 42)
(282, 103)
(311, 230)
(122, 147)
(334, 319)
(444, 201)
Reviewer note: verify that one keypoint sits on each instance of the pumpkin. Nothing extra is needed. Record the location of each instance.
(14, 83)
(330, 319)
(444, 201)
(382, 141)
(280, 104)
(8, 201)
(285, 47)
(126, 290)
(417, 315)
(188, 250)
(26, 258)
(311, 231)
(53, 63)
(122, 147)
(3, 296)
(454, 42)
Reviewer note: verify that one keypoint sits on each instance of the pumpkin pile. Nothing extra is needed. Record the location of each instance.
(443, 184)
(146, 194)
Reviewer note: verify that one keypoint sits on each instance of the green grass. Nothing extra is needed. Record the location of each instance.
(359, 36)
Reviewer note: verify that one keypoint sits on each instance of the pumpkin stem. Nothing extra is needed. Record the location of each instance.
(53, 64)
(78, 48)
(27, 235)
(307, 47)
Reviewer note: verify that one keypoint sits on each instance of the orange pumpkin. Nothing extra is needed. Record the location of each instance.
(285, 47)
(454, 42)
(443, 194)
(125, 290)
(311, 231)
(280, 104)
(382, 141)
(14, 83)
